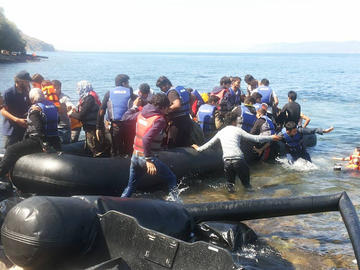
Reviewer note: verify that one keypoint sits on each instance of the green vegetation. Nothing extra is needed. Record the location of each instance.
(10, 35)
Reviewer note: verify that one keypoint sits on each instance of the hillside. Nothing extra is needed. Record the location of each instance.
(34, 44)
(13, 40)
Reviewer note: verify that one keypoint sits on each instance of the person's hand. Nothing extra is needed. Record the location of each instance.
(195, 146)
(258, 151)
(137, 102)
(328, 130)
(151, 168)
(21, 122)
(99, 135)
(276, 138)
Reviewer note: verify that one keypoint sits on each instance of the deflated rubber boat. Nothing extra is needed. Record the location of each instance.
(72, 172)
(96, 233)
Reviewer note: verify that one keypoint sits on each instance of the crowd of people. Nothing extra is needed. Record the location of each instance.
(137, 123)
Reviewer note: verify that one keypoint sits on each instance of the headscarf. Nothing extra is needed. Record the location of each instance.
(84, 88)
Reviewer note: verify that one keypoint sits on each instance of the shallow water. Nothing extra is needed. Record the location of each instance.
(327, 86)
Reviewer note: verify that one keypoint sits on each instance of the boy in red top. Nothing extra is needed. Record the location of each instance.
(150, 123)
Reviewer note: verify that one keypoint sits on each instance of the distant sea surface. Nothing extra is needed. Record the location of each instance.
(328, 87)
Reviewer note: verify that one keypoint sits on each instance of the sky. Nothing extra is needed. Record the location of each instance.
(183, 25)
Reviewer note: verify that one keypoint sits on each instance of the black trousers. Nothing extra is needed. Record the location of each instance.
(179, 132)
(233, 167)
(122, 137)
(16, 151)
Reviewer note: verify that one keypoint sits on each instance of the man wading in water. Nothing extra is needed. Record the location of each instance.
(234, 160)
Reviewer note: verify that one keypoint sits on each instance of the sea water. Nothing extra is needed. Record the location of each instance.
(328, 87)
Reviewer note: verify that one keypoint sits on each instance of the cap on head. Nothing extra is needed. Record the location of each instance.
(23, 75)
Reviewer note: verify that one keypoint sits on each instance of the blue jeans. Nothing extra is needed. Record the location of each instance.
(65, 135)
(292, 157)
(138, 169)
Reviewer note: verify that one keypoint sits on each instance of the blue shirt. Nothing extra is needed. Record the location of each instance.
(18, 105)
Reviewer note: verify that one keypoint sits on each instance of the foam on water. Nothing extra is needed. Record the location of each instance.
(300, 165)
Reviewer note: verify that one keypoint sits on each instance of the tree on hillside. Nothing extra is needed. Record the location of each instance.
(10, 38)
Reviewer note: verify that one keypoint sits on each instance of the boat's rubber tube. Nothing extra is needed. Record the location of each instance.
(64, 174)
(267, 208)
(71, 174)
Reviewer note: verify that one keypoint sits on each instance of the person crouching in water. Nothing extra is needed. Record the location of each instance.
(149, 128)
(87, 112)
(41, 134)
(264, 126)
(230, 138)
(292, 136)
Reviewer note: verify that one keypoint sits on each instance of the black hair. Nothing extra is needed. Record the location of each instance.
(230, 118)
(265, 82)
(248, 78)
(213, 99)
(235, 78)
(160, 101)
(225, 80)
(249, 100)
(121, 79)
(256, 95)
(357, 148)
(190, 90)
(262, 111)
(163, 81)
(292, 95)
(56, 83)
(290, 125)
(144, 88)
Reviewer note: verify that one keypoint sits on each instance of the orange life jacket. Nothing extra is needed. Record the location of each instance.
(50, 94)
(143, 126)
(354, 162)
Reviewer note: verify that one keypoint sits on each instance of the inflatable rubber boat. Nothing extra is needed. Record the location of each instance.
(114, 233)
(71, 172)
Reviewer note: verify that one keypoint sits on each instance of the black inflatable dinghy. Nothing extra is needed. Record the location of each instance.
(80, 232)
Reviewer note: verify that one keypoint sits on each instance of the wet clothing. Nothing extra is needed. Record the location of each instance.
(295, 145)
(18, 105)
(138, 169)
(149, 128)
(35, 140)
(239, 167)
(290, 112)
(229, 138)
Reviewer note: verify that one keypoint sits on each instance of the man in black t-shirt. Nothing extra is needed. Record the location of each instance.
(291, 111)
